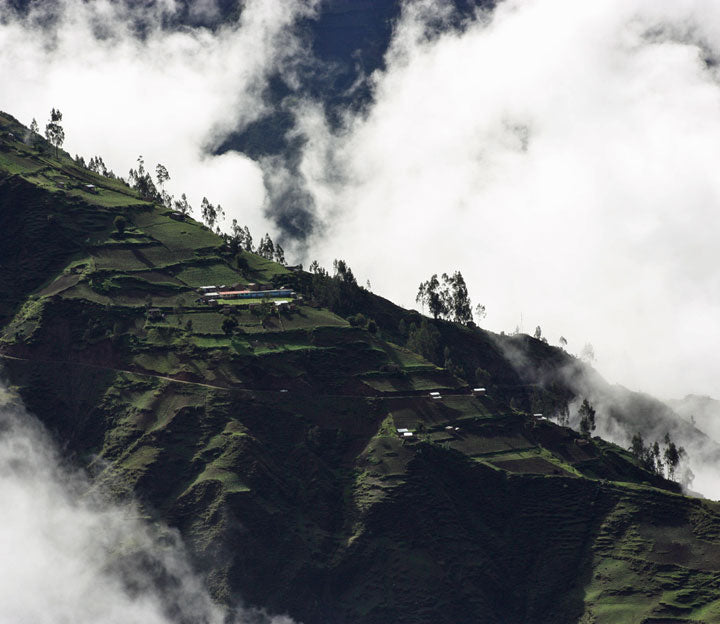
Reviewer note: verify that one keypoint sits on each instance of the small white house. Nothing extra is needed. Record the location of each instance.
(479, 391)
(403, 430)
(435, 395)
(407, 434)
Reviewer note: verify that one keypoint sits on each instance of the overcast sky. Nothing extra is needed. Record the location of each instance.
(563, 155)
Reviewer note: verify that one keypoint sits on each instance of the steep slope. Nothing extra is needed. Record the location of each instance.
(276, 443)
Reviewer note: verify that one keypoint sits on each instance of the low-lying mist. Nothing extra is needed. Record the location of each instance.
(68, 555)
(621, 414)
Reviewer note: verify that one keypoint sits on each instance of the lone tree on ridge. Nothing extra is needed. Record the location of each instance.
(54, 132)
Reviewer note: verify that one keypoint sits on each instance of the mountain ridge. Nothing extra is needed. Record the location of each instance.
(274, 442)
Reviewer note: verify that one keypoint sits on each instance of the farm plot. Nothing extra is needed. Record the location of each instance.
(179, 235)
(310, 318)
(474, 446)
(409, 382)
(157, 277)
(408, 412)
(531, 464)
(263, 270)
(60, 284)
(679, 546)
(466, 406)
(14, 162)
(213, 273)
(202, 322)
(160, 256)
(407, 359)
(104, 197)
(119, 260)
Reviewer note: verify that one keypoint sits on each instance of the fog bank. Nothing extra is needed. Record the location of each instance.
(562, 155)
(67, 555)
(129, 84)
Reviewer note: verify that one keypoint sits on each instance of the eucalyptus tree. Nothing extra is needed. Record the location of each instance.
(54, 132)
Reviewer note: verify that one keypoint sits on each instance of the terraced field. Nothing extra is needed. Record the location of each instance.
(275, 441)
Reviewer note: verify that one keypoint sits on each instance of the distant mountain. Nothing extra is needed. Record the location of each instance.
(702, 411)
(298, 448)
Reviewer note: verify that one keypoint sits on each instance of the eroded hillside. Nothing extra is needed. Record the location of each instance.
(277, 442)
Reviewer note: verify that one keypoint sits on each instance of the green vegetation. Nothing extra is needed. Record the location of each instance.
(253, 301)
(451, 300)
(207, 274)
(587, 417)
(274, 440)
(54, 132)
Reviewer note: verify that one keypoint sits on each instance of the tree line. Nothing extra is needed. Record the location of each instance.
(151, 190)
(140, 179)
(54, 132)
(448, 299)
(338, 291)
(661, 460)
(240, 239)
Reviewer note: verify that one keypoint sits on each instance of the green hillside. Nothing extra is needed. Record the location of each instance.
(272, 442)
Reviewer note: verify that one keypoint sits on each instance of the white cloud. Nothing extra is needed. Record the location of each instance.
(66, 555)
(204, 10)
(169, 95)
(562, 155)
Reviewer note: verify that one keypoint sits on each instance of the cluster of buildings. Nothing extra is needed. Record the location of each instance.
(283, 296)
(478, 392)
(405, 433)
